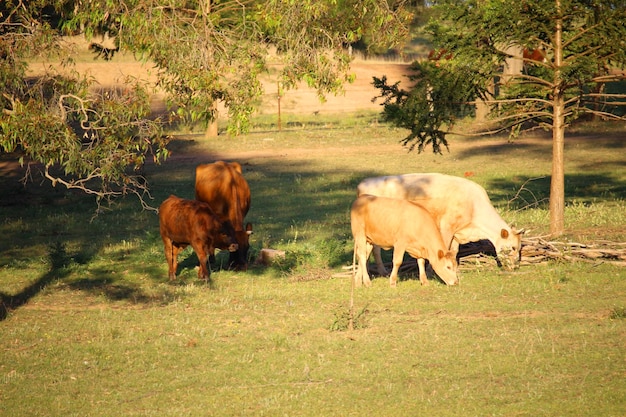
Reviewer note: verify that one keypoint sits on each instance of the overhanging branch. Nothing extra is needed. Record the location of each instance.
(133, 185)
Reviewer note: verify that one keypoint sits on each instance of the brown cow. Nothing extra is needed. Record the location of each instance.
(224, 188)
(403, 226)
(190, 222)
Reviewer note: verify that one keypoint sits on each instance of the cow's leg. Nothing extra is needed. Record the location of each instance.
(362, 250)
(366, 276)
(170, 256)
(176, 249)
(421, 265)
(398, 256)
(201, 250)
(233, 260)
(379, 261)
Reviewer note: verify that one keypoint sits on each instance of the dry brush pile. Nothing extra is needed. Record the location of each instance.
(538, 249)
(534, 250)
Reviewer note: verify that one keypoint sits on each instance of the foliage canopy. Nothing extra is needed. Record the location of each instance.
(536, 64)
(205, 51)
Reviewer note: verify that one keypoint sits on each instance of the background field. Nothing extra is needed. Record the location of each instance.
(95, 328)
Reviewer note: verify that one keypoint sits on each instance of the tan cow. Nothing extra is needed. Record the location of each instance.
(461, 209)
(405, 226)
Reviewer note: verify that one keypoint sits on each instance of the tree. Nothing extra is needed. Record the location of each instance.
(569, 50)
(205, 51)
(82, 140)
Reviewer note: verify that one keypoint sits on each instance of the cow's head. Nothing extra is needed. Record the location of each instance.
(446, 267)
(238, 260)
(509, 248)
(226, 238)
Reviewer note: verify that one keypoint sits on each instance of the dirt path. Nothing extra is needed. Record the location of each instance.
(303, 100)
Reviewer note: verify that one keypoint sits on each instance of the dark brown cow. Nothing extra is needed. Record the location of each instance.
(190, 222)
(224, 188)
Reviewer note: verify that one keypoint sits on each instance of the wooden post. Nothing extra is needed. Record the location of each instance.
(280, 127)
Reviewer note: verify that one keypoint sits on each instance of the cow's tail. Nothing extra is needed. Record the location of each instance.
(238, 211)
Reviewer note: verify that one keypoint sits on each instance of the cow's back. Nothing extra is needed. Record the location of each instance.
(183, 220)
(384, 219)
(440, 194)
(223, 187)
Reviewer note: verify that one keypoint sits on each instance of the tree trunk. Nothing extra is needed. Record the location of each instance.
(211, 130)
(557, 182)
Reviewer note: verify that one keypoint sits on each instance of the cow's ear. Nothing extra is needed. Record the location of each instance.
(236, 166)
(249, 228)
(504, 233)
(441, 254)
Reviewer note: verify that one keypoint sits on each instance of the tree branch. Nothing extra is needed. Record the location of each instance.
(134, 185)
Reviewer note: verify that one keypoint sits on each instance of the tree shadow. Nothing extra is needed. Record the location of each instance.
(38, 212)
(59, 260)
(535, 192)
(291, 201)
(604, 183)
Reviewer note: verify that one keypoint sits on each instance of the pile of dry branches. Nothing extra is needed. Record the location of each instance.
(537, 249)
(534, 250)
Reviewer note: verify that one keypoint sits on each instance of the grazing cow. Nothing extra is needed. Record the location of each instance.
(190, 222)
(403, 225)
(223, 187)
(461, 209)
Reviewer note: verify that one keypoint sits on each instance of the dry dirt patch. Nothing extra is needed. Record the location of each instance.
(303, 100)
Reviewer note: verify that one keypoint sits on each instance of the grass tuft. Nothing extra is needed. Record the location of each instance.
(349, 320)
(618, 313)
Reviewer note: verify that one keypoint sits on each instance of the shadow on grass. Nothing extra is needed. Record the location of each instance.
(59, 260)
(535, 192)
(293, 201)
(38, 212)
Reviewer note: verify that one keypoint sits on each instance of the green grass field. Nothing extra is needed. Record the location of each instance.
(95, 327)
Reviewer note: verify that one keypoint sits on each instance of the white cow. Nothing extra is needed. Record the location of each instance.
(461, 209)
(403, 226)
